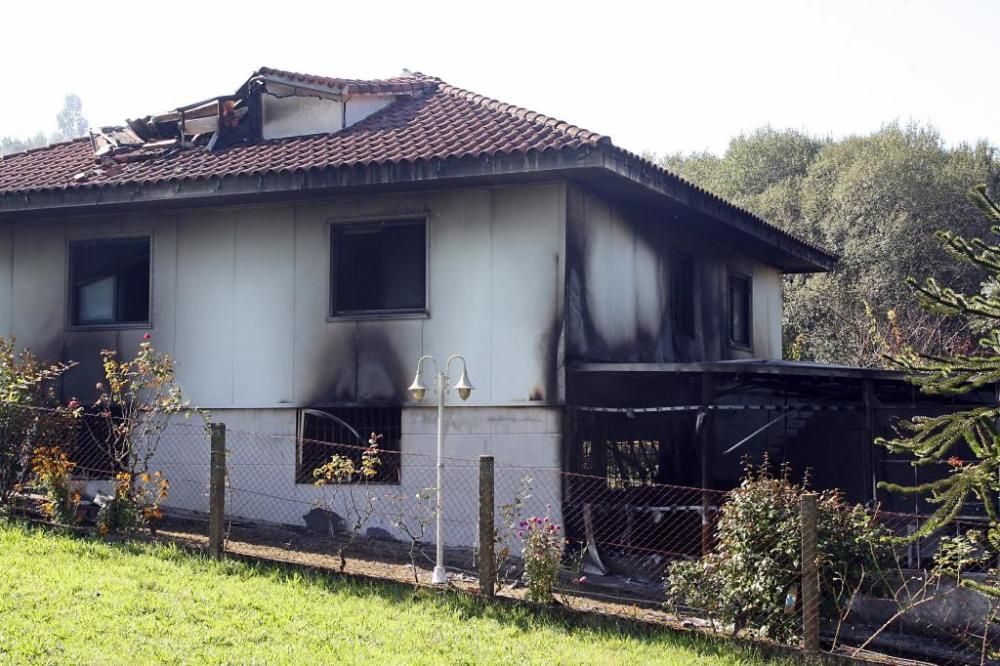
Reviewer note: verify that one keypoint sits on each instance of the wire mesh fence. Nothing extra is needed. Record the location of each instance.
(632, 547)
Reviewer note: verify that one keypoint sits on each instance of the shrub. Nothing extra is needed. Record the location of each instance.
(542, 552)
(30, 415)
(341, 473)
(138, 400)
(751, 578)
(134, 504)
(53, 470)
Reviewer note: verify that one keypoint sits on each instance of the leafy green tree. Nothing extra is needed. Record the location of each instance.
(933, 440)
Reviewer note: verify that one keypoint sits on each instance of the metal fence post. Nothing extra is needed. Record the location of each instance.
(217, 491)
(810, 575)
(487, 534)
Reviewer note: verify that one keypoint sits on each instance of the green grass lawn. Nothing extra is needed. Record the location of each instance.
(78, 600)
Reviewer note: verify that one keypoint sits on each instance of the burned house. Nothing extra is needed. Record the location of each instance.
(299, 244)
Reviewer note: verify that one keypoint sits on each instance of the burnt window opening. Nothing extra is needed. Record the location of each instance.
(109, 281)
(740, 311)
(345, 431)
(682, 292)
(90, 446)
(379, 267)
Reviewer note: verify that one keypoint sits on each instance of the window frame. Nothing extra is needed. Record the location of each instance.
(71, 291)
(748, 279)
(335, 226)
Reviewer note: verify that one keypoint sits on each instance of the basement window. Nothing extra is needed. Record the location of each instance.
(345, 431)
(379, 268)
(109, 281)
(740, 311)
(682, 292)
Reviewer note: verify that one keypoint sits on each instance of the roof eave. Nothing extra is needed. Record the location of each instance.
(798, 256)
(320, 181)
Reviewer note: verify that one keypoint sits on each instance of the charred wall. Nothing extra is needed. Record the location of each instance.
(618, 287)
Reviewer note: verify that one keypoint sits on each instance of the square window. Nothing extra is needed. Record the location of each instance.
(344, 431)
(740, 311)
(379, 267)
(109, 281)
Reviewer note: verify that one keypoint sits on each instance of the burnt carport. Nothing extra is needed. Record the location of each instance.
(641, 425)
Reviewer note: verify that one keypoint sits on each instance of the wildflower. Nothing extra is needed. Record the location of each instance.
(73, 404)
(147, 336)
(955, 461)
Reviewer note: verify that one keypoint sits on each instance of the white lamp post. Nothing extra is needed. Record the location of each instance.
(418, 391)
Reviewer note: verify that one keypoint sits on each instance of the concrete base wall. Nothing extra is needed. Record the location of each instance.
(261, 462)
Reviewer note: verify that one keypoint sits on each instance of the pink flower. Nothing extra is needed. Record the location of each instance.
(74, 403)
(147, 336)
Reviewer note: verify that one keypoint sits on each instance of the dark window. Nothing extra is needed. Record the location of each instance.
(109, 281)
(682, 292)
(379, 267)
(90, 446)
(345, 431)
(739, 310)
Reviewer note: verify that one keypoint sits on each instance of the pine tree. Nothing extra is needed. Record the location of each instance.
(933, 440)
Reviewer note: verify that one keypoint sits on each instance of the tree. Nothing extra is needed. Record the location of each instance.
(936, 440)
(70, 120)
(9, 144)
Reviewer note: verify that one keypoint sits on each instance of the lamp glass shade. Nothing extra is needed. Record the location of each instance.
(464, 386)
(417, 389)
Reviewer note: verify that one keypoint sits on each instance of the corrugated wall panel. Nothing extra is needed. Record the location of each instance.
(526, 293)
(205, 306)
(460, 296)
(264, 293)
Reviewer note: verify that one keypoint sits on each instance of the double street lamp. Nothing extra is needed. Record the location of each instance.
(418, 390)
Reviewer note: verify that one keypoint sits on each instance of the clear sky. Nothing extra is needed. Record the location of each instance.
(660, 76)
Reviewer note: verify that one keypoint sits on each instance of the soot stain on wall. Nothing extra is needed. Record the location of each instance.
(585, 341)
(359, 371)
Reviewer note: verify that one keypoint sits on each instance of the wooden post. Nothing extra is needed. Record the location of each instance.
(217, 491)
(703, 431)
(810, 575)
(868, 435)
(487, 533)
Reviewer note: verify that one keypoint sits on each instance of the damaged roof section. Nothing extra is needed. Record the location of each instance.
(256, 112)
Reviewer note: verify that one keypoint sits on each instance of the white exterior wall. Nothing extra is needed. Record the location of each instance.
(287, 114)
(300, 116)
(359, 108)
(261, 455)
(240, 297)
